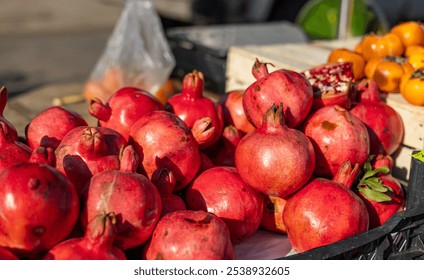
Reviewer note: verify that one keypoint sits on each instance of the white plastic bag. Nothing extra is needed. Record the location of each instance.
(137, 54)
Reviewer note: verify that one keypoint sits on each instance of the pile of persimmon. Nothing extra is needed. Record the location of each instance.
(395, 60)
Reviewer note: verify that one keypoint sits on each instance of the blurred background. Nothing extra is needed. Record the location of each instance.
(57, 41)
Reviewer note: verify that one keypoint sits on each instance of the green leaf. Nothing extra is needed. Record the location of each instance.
(372, 173)
(419, 156)
(374, 195)
(375, 185)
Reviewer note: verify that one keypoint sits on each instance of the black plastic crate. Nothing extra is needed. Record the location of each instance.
(400, 238)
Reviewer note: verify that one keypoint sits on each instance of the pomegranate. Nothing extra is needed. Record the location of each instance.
(191, 105)
(221, 191)
(205, 163)
(97, 243)
(163, 140)
(323, 212)
(12, 151)
(124, 108)
(203, 131)
(272, 218)
(43, 131)
(382, 193)
(384, 124)
(39, 208)
(131, 196)
(7, 255)
(190, 235)
(281, 86)
(86, 151)
(164, 180)
(232, 104)
(223, 152)
(331, 83)
(3, 101)
(275, 159)
(44, 155)
(337, 137)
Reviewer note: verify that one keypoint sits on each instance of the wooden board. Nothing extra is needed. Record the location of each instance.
(300, 57)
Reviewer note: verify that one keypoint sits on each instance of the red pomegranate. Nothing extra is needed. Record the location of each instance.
(131, 196)
(124, 108)
(281, 86)
(323, 212)
(12, 151)
(164, 180)
(39, 207)
(7, 255)
(275, 159)
(190, 235)
(221, 191)
(50, 126)
(97, 243)
(163, 140)
(337, 137)
(384, 124)
(272, 218)
(86, 151)
(223, 152)
(3, 102)
(232, 104)
(382, 193)
(191, 105)
(331, 83)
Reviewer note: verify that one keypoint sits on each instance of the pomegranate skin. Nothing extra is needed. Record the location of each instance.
(12, 151)
(281, 86)
(39, 208)
(221, 191)
(86, 151)
(232, 104)
(274, 159)
(337, 137)
(190, 235)
(272, 218)
(132, 197)
(125, 107)
(323, 212)
(42, 131)
(162, 140)
(7, 255)
(3, 102)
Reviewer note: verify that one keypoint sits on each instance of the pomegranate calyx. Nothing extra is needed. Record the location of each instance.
(193, 84)
(43, 155)
(164, 180)
(99, 110)
(128, 159)
(371, 186)
(203, 130)
(347, 174)
(92, 141)
(367, 90)
(274, 117)
(260, 69)
(101, 230)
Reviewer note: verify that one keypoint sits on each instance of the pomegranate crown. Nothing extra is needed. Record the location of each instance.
(193, 84)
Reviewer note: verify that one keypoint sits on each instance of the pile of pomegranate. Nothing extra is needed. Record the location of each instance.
(303, 154)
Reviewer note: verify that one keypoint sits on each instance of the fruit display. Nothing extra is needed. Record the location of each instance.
(305, 155)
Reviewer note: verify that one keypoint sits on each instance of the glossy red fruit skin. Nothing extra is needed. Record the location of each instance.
(162, 140)
(275, 159)
(337, 137)
(380, 212)
(191, 105)
(96, 244)
(221, 191)
(49, 127)
(3, 103)
(272, 218)
(132, 197)
(223, 152)
(86, 151)
(7, 255)
(12, 151)
(232, 104)
(39, 207)
(125, 107)
(323, 212)
(190, 235)
(384, 124)
(284, 86)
